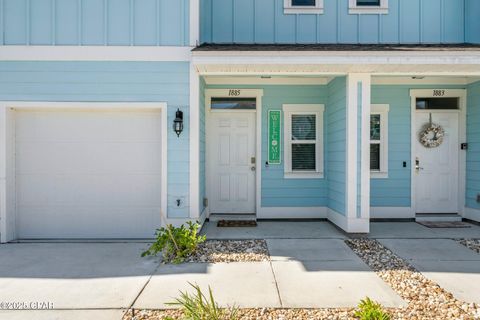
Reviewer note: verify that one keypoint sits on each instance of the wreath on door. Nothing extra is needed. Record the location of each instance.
(432, 135)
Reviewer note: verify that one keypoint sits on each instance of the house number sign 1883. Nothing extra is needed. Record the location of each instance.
(274, 130)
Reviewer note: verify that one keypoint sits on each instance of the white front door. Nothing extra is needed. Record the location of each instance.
(436, 175)
(231, 162)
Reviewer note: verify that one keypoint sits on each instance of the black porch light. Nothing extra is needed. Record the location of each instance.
(178, 123)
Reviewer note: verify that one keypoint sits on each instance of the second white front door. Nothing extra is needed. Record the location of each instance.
(231, 162)
(436, 172)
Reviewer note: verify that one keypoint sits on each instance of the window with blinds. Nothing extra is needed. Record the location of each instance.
(303, 141)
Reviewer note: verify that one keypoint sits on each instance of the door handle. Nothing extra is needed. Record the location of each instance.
(417, 165)
(253, 168)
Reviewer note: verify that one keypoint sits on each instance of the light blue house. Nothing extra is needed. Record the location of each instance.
(117, 116)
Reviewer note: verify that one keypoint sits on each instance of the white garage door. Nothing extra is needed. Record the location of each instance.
(87, 174)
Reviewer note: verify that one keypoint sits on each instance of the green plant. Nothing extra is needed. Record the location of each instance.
(371, 310)
(197, 306)
(176, 244)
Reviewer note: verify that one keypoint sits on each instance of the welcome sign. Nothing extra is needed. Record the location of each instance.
(274, 131)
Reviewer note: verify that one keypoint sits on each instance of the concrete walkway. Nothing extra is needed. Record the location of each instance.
(311, 267)
(448, 263)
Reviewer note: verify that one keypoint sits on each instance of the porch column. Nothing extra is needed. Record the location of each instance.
(357, 208)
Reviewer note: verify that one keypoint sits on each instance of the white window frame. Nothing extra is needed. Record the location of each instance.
(289, 8)
(293, 109)
(353, 8)
(382, 110)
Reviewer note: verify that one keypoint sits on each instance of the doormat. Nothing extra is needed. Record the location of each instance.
(236, 223)
(449, 224)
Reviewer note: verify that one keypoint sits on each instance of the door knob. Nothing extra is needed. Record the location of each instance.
(253, 168)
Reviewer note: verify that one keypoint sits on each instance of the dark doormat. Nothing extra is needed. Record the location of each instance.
(236, 223)
(450, 224)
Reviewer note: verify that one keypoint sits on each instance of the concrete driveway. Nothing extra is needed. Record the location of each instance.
(97, 280)
(308, 269)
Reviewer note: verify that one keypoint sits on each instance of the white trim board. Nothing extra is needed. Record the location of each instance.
(348, 225)
(7, 209)
(462, 137)
(472, 214)
(391, 213)
(267, 80)
(243, 93)
(194, 113)
(292, 213)
(94, 53)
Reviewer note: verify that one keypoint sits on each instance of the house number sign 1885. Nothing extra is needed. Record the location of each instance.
(234, 93)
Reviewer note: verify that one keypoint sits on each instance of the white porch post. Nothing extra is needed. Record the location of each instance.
(194, 143)
(358, 155)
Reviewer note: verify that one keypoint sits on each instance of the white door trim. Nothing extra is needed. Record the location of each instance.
(242, 93)
(462, 137)
(7, 137)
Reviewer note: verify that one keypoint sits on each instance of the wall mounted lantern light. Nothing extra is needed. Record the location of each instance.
(178, 123)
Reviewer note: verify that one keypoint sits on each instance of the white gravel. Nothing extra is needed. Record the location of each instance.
(216, 251)
(426, 299)
(473, 244)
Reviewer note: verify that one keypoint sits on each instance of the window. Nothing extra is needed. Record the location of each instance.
(379, 141)
(303, 6)
(368, 7)
(234, 103)
(438, 103)
(303, 130)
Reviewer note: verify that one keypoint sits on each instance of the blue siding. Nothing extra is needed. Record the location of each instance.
(202, 179)
(336, 114)
(408, 21)
(95, 22)
(396, 190)
(472, 21)
(111, 81)
(473, 153)
(277, 191)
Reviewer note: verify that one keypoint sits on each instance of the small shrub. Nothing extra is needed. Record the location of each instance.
(176, 244)
(199, 307)
(371, 310)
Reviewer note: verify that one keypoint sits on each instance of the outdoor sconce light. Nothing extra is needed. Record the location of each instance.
(178, 123)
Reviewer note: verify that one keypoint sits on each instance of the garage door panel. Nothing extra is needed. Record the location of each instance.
(90, 222)
(74, 180)
(78, 126)
(128, 190)
(96, 157)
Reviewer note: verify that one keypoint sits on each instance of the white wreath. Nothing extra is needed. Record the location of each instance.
(432, 135)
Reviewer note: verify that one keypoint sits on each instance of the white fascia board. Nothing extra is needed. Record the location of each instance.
(94, 53)
(335, 57)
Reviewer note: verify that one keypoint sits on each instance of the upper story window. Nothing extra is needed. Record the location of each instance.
(368, 7)
(303, 6)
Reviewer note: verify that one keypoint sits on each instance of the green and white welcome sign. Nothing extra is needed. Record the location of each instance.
(274, 136)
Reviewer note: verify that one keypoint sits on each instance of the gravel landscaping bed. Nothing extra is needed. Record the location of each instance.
(426, 299)
(473, 244)
(255, 314)
(215, 251)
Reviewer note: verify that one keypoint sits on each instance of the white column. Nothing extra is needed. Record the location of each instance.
(357, 196)
(194, 142)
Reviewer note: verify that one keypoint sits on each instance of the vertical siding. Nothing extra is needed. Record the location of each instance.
(336, 113)
(111, 81)
(408, 21)
(473, 153)
(95, 22)
(472, 21)
(277, 191)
